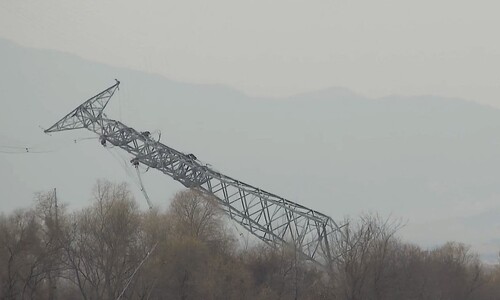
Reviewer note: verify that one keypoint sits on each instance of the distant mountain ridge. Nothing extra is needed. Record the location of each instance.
(423, 158)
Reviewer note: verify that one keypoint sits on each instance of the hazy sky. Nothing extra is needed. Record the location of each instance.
(277, 48)
(273, 48)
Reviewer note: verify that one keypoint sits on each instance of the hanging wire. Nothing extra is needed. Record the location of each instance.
(125, 164)
(137, 269)
(143, 190)
(25, 152)
(120, 109)
(39, 148)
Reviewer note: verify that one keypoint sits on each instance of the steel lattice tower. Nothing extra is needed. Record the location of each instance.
(271, 218)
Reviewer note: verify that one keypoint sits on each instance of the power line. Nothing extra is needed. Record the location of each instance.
(38, 148)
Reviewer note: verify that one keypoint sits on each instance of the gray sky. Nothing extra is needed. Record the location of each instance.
(432, 161)
(276, 48)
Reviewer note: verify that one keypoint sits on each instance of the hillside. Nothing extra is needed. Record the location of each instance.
(426, 159)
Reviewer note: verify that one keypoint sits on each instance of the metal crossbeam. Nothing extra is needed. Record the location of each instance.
(87, 113)
(271, 218)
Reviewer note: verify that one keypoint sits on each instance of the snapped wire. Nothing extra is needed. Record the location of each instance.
(135, 163)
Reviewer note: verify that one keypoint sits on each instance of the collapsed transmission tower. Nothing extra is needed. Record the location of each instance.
(271, 218)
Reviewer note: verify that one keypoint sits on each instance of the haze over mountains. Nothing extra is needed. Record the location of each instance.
(435, 162)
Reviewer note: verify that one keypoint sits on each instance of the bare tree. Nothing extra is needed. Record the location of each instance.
(193, 214)
(23, 255)
(111, 248)
(459, 272)
(52, 218)
(101, 246)
(361, 267)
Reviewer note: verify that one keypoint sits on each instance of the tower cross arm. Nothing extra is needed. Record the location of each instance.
(87, 113)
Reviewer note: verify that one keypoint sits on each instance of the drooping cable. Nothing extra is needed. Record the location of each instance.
(124, 164)
(143, 190)
(137, 269)
(137, 181)
(40, 148)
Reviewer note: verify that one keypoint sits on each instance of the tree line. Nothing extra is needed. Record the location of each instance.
(112, 250)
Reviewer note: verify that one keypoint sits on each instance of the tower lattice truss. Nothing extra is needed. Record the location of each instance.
(269, 217)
